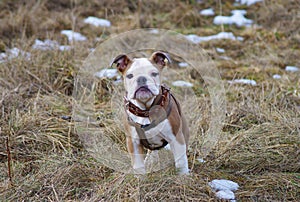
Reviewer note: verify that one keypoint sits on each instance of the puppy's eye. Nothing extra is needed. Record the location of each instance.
(154, 74)
(129, 76)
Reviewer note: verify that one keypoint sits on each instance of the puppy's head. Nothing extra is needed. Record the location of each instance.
(141, 76)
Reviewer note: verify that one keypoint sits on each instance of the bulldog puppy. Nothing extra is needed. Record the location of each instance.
(154, 117)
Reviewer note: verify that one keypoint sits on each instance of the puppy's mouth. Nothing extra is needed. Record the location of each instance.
(143, 93)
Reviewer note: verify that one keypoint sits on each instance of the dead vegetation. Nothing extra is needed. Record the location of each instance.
(42, 157)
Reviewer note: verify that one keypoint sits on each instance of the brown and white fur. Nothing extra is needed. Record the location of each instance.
(142, 82)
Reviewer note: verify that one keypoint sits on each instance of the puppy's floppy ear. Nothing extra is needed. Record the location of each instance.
(160, 58)
(122, 62)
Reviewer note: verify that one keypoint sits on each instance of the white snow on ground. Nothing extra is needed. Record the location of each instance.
(98, 22)
(224, 188)
(291, 69)
(73, 35)
(223, 184)
(45, 45)
(240, 38)
(207, 12)
(180, 83)
(220, 50)
(92, 49)
(237, 18)
(200, 160)
(225, 194)
(98, 39)
(14, 53)
(225, 58)
(183, 64)
(248, 2)
(222, 35)
(154, 31)
(243, 81)
(49, 45)
(2, 57)
(276, 76)
(64, 47)
(107, 73)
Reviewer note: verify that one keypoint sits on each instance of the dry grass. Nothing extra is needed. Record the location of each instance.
(47, 160)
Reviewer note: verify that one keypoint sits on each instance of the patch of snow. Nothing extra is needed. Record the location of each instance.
(238, 12)
(154, 31)
(49, 45)
(183, 64)
(98, 39)
(248, 2)
(292, 68)
(276, 76)
(225, 58)
(237, 18)
(73, 35)
(194, 38)
(207, 12)
(222, 35)
(296, 93)
(98, 22)
(92, 49)
(180, 83)
(220, 50)
(14, 53)
(219, 20)
(243, 81)
(200, 160)
(223, 184)
(224, 188)
(64, 48)
(45, 45)
(240, 38)
(107, 73)
(3, 56)
(225, 194)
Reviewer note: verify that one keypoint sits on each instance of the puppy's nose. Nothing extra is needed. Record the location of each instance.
(141, 81)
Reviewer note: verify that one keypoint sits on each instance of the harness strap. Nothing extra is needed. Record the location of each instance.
(140, 129)
(144, 141)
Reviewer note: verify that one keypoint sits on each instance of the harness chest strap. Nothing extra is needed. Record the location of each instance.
(144, 141)
(140, 129)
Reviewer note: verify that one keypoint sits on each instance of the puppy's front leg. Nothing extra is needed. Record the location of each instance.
(178, 149)
(136, 152)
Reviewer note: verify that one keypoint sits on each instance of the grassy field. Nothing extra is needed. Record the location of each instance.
(42, 157)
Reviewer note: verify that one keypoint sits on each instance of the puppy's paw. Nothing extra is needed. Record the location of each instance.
(139, 171)
(183, 171)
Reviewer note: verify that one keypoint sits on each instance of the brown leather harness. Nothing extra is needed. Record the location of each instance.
(154, 113)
